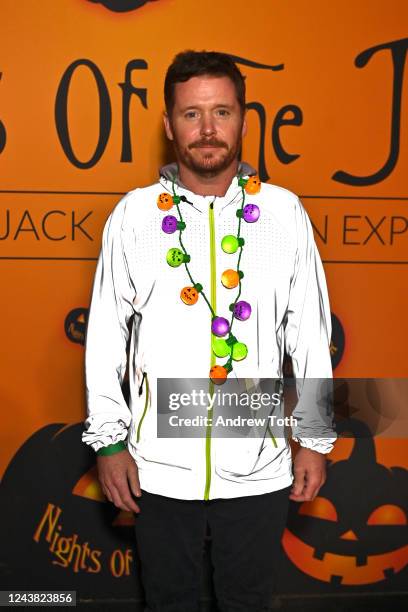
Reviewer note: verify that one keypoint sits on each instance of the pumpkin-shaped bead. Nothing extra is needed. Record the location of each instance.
(189, 295)
(218, 374)
(175, 257)
(220, 347)
(231, 244)
(242, 310)
(239, 351)
(230, 278)
(253, 185)
(219, 326)
(251, 213)
(165, 201)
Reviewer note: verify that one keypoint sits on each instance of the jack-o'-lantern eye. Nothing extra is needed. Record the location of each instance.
(88, 486)
(320, 507)
(388, 514)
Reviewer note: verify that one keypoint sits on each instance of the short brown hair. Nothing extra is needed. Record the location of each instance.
(188, 64)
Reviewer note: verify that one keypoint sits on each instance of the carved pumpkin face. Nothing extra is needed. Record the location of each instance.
(165, 201)
(253, 185)
(354, 532)
(189, 295)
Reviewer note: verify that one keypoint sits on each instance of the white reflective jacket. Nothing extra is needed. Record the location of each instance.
(284, 283)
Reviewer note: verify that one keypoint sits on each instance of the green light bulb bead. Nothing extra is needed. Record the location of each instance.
(239, 351)
(230, 244)
(175, 257)
(220, 347)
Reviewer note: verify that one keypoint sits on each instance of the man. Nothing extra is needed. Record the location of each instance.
(238, 487)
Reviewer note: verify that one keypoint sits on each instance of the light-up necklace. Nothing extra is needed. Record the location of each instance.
(224, 344)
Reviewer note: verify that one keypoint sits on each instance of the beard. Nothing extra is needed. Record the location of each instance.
(212, 163)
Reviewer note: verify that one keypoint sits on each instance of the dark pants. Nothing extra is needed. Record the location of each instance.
(245, 550)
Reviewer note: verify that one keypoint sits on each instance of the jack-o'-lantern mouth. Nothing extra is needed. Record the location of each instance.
(343, 569)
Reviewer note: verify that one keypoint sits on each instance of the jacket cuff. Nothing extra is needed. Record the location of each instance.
(320, 445)
(104, 429)
(111, 449)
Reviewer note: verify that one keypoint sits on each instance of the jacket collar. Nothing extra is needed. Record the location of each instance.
(169, 174)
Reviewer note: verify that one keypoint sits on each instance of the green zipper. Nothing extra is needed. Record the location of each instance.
(212, 356)
(139, 427)
(272, 437)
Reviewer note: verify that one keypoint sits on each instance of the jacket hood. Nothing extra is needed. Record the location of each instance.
(170, 171)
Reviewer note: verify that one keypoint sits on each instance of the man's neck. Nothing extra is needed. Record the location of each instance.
(208, 185)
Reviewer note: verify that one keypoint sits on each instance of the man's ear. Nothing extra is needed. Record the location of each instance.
(244, 126)
(167, 126)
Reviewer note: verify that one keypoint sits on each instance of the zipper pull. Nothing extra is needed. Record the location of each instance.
(141, 384)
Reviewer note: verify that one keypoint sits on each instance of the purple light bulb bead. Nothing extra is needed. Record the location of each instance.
(219, 326)
(169, 224)
(251, 213)
(242, 310)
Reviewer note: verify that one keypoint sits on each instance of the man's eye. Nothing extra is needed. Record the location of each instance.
(191, 115)
(223, 112)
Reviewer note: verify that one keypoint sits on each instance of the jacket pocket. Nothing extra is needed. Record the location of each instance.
(168, 452)
(150, 449)
(245, 458)
(147, 402)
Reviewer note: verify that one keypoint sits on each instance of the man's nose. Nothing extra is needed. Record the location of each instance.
(207, 125)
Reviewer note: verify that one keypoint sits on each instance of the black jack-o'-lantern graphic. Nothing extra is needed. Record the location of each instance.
(337, 341)
(50, 489)
(54, 468)
(122, 6)
(75, 325)
(354, 532)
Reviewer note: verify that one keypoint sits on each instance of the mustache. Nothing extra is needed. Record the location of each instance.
(209, 142)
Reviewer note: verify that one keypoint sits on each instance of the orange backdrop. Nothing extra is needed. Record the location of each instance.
(340, 117)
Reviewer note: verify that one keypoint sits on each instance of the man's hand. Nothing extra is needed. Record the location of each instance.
(119, 478)
(310, 474)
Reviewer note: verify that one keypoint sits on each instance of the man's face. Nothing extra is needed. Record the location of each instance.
(206, 124)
